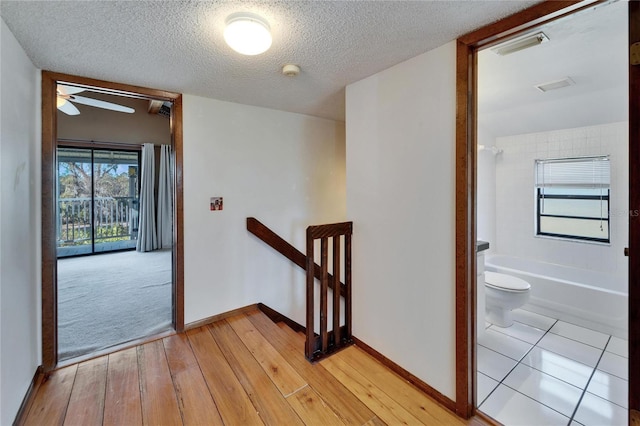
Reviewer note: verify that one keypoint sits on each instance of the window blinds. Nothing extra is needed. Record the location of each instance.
(583, 172)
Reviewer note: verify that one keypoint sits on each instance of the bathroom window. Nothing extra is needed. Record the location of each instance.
(572, 198)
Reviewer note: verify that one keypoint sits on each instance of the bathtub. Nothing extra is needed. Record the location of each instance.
(570, 294)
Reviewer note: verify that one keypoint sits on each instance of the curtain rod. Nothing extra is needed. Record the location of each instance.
(93, 142)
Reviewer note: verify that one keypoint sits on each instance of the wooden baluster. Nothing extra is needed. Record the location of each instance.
(347, 282)
(310, 343)
(337, 341)
(324, 291)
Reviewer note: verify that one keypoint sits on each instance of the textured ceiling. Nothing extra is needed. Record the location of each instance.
(178, 45)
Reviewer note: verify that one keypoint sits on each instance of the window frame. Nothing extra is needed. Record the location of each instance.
(540, 196)
(584, 172)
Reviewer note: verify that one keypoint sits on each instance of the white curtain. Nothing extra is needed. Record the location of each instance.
(147, 227)
(165, 199)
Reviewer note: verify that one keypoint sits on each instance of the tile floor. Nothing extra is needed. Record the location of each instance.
(542, 371)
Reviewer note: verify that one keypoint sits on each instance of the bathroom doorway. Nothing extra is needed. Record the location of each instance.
(548, 121)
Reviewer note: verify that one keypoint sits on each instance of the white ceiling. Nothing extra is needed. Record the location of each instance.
(589, 47)
(178, 45)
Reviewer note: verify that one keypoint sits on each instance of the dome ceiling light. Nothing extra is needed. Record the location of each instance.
(247, 33)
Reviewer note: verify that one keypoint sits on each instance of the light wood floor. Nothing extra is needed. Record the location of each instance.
(244, 370)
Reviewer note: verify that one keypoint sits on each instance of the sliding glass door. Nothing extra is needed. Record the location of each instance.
(97, 205)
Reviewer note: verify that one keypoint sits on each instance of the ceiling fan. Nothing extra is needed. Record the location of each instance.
(66, 96)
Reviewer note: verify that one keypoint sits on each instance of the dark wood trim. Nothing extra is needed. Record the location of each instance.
(276, 316)
(178, 214)
(465, 234)
(466, 95)
(331, 230)
(272, 239)
(214, 318)
(49, 259)
(634, 219)
(415, 381)
(115, 88)
(487, 419)
(544, 12)
(29, 397)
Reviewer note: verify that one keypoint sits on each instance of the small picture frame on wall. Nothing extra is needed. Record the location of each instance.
(216, 203)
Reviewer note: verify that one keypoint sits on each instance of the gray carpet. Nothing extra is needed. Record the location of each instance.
(108, 299)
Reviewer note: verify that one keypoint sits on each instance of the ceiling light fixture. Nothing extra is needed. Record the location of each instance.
(247, 33)
(520, 44)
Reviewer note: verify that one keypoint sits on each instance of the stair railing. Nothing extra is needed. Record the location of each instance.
(318, 346)
(327, 341)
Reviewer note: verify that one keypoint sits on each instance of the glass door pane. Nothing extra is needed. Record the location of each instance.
(97, 200)
(115, 199)
(73, 213)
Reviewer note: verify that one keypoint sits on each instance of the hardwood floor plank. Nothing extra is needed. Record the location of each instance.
(86, 404)
(122, 405)
(50, 404)
(232, 401)
(235, 372)
(413, 400)
(272, 406)
(283, 375)
(312, 409)
(377, 400)
(159, 403)
(194, 399)
(349, 408)
(375, 422)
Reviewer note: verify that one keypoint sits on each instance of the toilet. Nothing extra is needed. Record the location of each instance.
(503, 293)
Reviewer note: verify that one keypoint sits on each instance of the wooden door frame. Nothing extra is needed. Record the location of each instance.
(466, 170)
(49, 257)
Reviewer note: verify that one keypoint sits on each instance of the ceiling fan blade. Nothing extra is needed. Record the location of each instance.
(69, 90)
(68, 108)
(101, 104)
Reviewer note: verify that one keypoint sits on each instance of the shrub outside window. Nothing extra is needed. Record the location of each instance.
(572, 198)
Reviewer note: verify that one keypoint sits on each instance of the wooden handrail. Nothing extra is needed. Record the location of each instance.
(272, 239)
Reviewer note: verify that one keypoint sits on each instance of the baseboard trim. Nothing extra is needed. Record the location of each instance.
(29, 397)
(486, 419)
(428, 390)
(219, 317)
(276, 316)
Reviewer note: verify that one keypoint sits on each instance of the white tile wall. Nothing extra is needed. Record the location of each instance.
(515, 201)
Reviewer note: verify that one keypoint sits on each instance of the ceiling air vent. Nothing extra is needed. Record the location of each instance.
(556, 84)
(522, 43)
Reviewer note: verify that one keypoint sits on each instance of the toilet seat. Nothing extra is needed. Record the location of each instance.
(505, 282)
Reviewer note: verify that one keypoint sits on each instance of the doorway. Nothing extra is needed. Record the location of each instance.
(552, 168)
(466, 264)
(92, 228)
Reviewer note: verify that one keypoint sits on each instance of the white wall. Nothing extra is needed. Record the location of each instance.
(515, 201)
(287, 170)
(19, 224)
(401, 197)
(486, 189)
